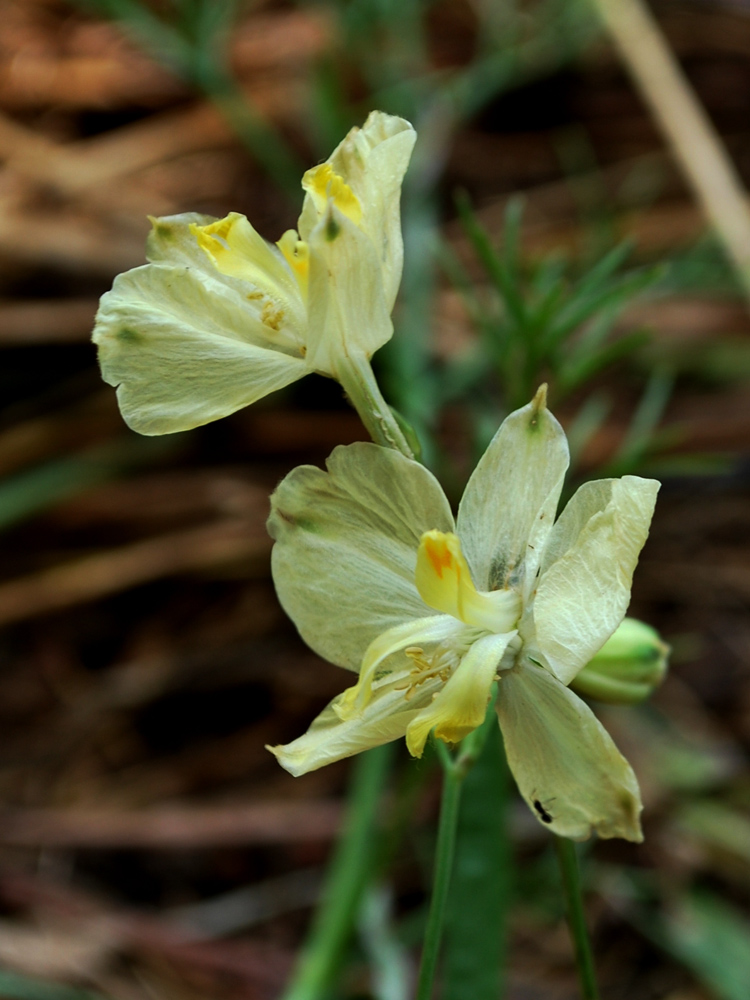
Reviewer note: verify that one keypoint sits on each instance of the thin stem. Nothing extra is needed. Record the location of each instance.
(357, 378)
(446, 842)
(347, 877)
(455, 769)
(568, 861)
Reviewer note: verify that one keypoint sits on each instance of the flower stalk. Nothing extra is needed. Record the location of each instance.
(361, 387)
(455, 769)
(568, 862)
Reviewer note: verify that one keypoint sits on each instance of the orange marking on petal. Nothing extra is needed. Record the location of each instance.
(439, 555)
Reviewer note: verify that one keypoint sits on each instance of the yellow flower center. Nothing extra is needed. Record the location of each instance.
(443, 579)
(324, 186)
(439, 665)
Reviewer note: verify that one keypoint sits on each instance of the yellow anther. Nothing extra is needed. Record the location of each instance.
(272, 316)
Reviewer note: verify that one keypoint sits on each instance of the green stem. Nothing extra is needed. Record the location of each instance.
(568, 861)
(359, 383)
(455, 769)
(446, 842)
(347, 877)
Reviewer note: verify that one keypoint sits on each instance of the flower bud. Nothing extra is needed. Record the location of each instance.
(630, 664)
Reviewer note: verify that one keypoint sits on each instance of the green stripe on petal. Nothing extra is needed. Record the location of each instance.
(566, 765)
(511, 498)
(346, 547)
(461, 704)
(583, 595)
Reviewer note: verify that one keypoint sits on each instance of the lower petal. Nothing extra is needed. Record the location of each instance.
(461, 704)
(565, 764)
(331, 738)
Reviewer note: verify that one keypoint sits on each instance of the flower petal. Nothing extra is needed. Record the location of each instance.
(461, 704)
(584, 593)
(346, 546)
(184, 349)
(230, 252)
(511, 499)
(417, 632)
(347, 306)
(372, 161)
(332, 738)
(444, 582)
(236, 250)
(566, 766)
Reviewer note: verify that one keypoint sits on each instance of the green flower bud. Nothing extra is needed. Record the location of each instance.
(627, 668)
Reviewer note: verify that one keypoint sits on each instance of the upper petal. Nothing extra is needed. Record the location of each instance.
(584, 593)
(372, 161)
(184, 349)
(566, 765)
(511, 499)
(347, 307)
(346, 546)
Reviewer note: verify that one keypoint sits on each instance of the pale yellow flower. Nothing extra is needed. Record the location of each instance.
(220, 317)
(379, 579)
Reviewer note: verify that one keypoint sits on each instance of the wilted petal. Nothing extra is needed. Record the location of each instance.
(564, 760)
(332, 738)
(583, 595)
(346, 546)
(461, 704)
(511, 499)
(183, 349)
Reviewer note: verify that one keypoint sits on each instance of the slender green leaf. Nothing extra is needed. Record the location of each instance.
(712, 939)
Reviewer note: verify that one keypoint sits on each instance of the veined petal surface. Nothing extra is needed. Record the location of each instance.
(184, 349)
(346, 546)
(511, 498)
(583, 595)
(589, 499)
(563, 759)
